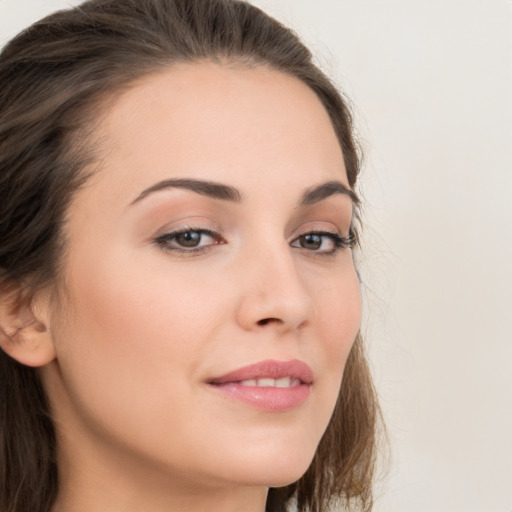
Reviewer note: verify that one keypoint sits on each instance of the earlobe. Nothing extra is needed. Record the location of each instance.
(24, 334)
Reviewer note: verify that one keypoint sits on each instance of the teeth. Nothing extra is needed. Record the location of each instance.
(283, 382)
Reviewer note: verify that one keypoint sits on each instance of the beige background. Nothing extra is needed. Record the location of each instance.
(432, 85)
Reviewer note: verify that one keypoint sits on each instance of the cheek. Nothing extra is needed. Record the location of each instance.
(133, 332)
(131, 351)
(129, 303)
(339, 315)
(339, 318)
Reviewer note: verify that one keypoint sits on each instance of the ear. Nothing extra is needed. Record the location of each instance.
(24, 326)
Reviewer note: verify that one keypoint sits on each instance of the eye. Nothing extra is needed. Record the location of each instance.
(189, 240)
(324, 242)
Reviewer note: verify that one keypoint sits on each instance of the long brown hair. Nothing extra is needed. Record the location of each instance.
(52, 78)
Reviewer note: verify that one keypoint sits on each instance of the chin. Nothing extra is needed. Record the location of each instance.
(273, 468)
(286, 478)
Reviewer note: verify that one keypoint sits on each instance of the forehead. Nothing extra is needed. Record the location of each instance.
(247, 126)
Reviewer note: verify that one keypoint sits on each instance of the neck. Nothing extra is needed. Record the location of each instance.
(96, 478)
(106, 488)
(104, 497)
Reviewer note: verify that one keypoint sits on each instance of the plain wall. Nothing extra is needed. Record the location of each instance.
(431, 82)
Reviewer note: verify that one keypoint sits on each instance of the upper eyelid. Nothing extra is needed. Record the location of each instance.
(180, 231)
(330, 234)
(214, 231)
(320, 227)
(184, 227)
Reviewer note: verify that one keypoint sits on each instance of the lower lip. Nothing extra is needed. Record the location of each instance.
(272, 399)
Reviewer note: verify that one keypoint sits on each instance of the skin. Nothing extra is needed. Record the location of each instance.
(141, 327)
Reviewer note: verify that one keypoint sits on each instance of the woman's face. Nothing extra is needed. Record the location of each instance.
(210, 299)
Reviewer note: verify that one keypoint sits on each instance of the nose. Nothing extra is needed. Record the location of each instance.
(274, 295)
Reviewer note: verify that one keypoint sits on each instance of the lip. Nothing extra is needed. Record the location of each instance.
(269, 369)
(272, 399)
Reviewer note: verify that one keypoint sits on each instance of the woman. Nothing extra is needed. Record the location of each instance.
(179, 305)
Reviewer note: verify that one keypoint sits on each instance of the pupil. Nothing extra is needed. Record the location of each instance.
(311, 241)
(189, 239)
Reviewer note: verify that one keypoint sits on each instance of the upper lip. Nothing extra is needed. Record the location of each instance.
(269, 369)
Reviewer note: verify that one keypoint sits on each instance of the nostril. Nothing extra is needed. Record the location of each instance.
(265, 321)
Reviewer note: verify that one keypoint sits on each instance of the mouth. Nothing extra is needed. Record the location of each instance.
(270, 385)
(283, 382)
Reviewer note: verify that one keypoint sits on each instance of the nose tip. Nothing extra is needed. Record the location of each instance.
(264, 312)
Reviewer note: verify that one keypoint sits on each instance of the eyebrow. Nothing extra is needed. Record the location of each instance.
(205, 188)
(228, 193)
(320, 192)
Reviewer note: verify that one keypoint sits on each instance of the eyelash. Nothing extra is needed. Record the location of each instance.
(164, 241)
(340, 242)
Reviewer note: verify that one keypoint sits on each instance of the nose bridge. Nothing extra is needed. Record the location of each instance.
(273, 291)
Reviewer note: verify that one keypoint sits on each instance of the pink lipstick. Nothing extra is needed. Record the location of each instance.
(268, 385)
